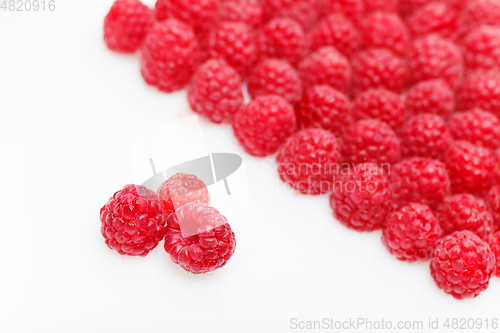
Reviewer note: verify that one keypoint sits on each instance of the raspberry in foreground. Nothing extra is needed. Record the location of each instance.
(477, 13)
(481, 49)
(354, 10)
(385, 30)
(242, 11)
(133, 221)
(432, 96)
(305, 12)
(199, 238)
(476, 126)
(480, 90)
(337, 31)
(434, 18)
(380, 104)
(495, 248)
(493, 202)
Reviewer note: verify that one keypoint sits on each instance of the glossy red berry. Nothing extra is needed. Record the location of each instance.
(495, 248)
(432, 96)
(481, 49)
(476, 126)
(337, 31)
(434, 18)
(305, 12)
(492, 200)
(385, 30)
(477, 13)
(387, 6)
(242, 11)
(480, 90)
(354, 10)
(380, 104)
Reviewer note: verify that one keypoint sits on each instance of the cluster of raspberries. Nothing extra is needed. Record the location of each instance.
(392, 106)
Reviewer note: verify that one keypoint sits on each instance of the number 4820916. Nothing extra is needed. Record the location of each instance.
(28, 5)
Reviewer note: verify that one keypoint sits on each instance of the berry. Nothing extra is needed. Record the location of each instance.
(480, 90)
(496, 161)
(126, 25)
(199, 238)
(387, 6)
(337, 31)
(275, 77)
(434, 18)
(408, 7)
(462, 264)
(495, 248)
(133, 221)
(362, 198)
(385, 30)
(432, 96)
(481, 49)
(354, 10)
(477, 13)
(476, 126)
(169, 56)
(324, 107)
(243, 11)
(216, 91)
(264, 124)
(411, 232)
(379, 104)
(305, 12)
(309, 161)
(370, 141)
(493, 202)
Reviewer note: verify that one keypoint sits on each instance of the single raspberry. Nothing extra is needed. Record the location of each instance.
(305, 12)
(127, 24)
(199, 238)
(411, 232)
(462, 264)
(309, 161)
(133, 221)
(324, 107)
(495, 248)
(481, 49)
(476, 126)
(362, 198)
(425, 135)
(470, 168)
(169, 56)
(432, 96)
(242, 11)
(387, 6)
(354, 10)
(326, 66)
(379, 104)
(434, 18)
(234, 43)
(493, 202)
(385, 30)
(370, 141)
(433, 57)
(480, 90)
(264, 124)
(477, 13)
(216, 91)
(377, 68)
(275, 77)
(337, 31)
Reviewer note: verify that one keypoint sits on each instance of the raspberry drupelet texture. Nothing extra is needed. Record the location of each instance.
(493, 202)
(169, 55)
(476, 126)
(242, 11)
(216, 91)
(477, 13)
(309, 161)
(496, 167)
(361, 199)
(133, 221)
(264, 124)
(126, 25)
(411, 232)
(275, 77)
(199, 238)
(480, 90)
(462, 264)
(354, 10)
(481, 49)
(379, 104)
(337, 31)
(495, 248)
(385, 30)
(305, 12)
(434, 18)
(386, 6)
(432, 96)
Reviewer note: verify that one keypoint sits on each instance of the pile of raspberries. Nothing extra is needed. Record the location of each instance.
(391, 106)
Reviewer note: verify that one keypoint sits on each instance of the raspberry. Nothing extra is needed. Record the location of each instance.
(169, 56)
(354, 10)
(480, 90)
(264, 124)
(337, 31)
(425, 135)
(324, 107)
(379, 104)
(370, 141)
(216, 91)
(377, 68)
(411, 232)
(476, 126)
(433, 57)
(362, 198)
(243, 11)
(133, 221)
(470, 168)
(126, 25)
(305, 12)
(387, 6)
(234, 43)
(496, 161)
(462, 264)
(385, 30)
(199, 238)
(275, 77)
(495, 248)
(481, 49)
(432, 96)
(493, 202)
(309, 161)
(434, 18)
(408, 7)
(477, 13)
(326, 66)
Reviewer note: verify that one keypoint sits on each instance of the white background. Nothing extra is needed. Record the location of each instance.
(70, 111)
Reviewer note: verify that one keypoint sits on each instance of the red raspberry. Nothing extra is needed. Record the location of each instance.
(377, 68)
(470, 168)
(264, 124)
(433, 57)
(234, 43)
(337, 31)
(126, 25)
(379, 104)
(477, 13)
(326, 66)
(476, 126)
(434, 18)
(493, 202)
(305, 12)
(362, 198)
(216, 91)
(354, 10)
(411, 232)
(169, 56)
(324, 107)
(309, 161)
(387, 6)
(495, 248)
(425, 135)
(385, 30)
(432, 96)
(243, 11)
(199, 238)
(462, 264)
(496, 161)
(408, 7)
(370, 141)
(275, 77)
(133, 221)
(480, 90)
(481, 49)
(282, 38)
